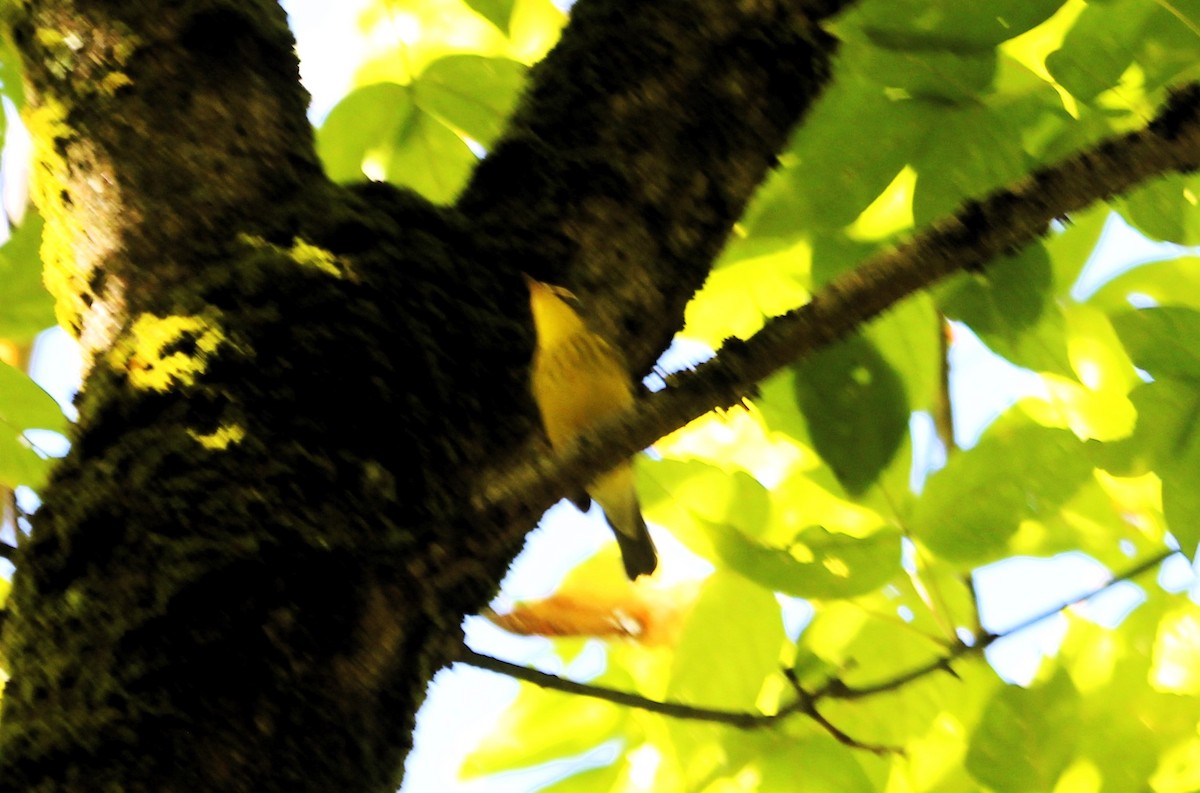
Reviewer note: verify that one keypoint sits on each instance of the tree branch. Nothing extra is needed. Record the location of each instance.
(805, 701)
(622, 178)
(981, 230)
(555, 683)
(836, 689)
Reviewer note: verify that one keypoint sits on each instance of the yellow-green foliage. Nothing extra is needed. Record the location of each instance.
(140, 352)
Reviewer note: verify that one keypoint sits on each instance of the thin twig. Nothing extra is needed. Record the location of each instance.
(7, 551)
(943, 414)
(836, 689)
(556, 683)
(805, 701)
(973, 591)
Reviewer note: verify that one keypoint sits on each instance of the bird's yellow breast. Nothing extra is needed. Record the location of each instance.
(577, 378)
(577, 382)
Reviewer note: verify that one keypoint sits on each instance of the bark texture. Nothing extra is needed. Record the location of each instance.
(260, 547)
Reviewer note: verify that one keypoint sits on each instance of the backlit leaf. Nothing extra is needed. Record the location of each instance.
(1027, 736)
(1017, 472)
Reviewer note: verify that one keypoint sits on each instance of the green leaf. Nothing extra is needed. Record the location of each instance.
(1007, 298)
(521, 738)
(948, 24)
(26, 308)
(1011, 307)
(1166, 440)
(429, 158)
(367, 118)
(967, 151)
(1027, 736)
(1162, 341)
(470, 93)
(818, 564)
(834, 252)
(1164, 209)
(904, 344)
(1096, 351)
(1071, 246)
(19, 464)
(687, 496)
(755, 278)
(1176, 660)
(1126, 689)
(1099, 47)
(1181, 501)
(838, 165)
(1166, 426)
(843, 634)
(498, 12)
(1168, 44)
(816, 765)
(909, 338)
(776, 401)
(10, 72)
(867, 643)
(378, 129)
(953, 75)
(1173, 282)
(24, 406)
(1019, 471)
(836, 389)
(744, 621)
(719, 515)
(1095, 522)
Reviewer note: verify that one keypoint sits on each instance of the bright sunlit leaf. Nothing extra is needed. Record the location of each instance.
(1176, 664)
(1165, 209)
(1010, 307)
(817, 564)
(744, 621)
(777, 272)
(1175, 282)
(521, 739)
(1162, 340)
(470, 93)
(1027, 736)
(824, 765)
(1017, 472)
(498, 12)
(1099, 47)
(1099, 415)
(26, 308)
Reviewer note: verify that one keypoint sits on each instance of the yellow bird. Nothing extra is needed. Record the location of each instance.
(578, 379)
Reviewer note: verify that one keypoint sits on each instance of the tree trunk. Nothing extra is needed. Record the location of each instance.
(263, 541)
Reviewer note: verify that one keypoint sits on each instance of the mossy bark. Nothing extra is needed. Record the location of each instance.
(261, 545)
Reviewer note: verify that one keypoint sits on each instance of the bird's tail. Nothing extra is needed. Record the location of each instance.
(637, 550)
(615, 494)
